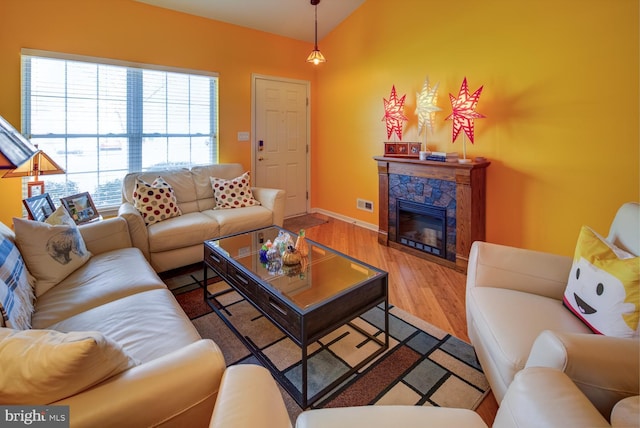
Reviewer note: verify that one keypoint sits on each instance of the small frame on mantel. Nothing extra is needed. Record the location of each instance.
(402, 150)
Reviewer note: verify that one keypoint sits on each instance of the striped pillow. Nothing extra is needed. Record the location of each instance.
(16, 294)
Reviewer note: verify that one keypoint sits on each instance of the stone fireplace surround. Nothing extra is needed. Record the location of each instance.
(429, 191)
(459, 188)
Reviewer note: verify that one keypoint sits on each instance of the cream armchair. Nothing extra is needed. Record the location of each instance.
(515, 318)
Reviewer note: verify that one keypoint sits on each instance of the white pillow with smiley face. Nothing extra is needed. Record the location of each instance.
(603, 288)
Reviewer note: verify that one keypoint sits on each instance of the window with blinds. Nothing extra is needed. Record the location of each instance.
(100, 119)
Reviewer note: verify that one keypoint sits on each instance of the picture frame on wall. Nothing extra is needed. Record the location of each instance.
(80, 207)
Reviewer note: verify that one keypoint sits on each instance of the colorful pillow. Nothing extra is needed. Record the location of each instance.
(16, 294)
(234, 193)
(44, 366)
(51, 251)
(155, 201)
(603, 288)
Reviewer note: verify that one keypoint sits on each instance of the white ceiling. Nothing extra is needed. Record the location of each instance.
(289, 18)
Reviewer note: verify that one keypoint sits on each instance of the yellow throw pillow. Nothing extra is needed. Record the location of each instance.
(44, 366)
(52, 249)
(603, 287)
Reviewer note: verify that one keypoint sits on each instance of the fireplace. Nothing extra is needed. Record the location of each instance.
(457, 189)
(422, 227)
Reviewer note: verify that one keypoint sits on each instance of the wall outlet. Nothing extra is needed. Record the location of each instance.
(364, 205)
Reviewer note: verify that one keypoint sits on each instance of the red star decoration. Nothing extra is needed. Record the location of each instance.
(464, 111)
(393, 113)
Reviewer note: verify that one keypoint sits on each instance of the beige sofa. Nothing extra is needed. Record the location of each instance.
(516, 318)
(177, 241)
(117, 293)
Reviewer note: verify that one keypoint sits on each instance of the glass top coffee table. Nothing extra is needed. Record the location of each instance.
(306, 301)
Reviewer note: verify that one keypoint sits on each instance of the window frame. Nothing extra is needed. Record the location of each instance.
(134, 134)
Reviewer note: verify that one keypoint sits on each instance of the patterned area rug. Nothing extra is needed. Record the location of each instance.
(423, 366)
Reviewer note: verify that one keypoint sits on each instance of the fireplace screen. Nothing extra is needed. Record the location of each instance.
(422, 227)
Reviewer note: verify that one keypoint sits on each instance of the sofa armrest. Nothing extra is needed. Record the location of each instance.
(543, 397)
(272, 199)
(392, 415)
(249, 397)
(137, 228)
(500, 266)
(178, 389)
(606, 369)
(106, 235)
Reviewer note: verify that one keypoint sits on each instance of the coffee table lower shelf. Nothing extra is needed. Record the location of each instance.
(301, 395)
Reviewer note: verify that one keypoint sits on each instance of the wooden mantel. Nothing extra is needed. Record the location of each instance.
(470, 179)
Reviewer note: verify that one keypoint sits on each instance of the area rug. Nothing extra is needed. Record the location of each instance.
(424, 365)
(306, 221)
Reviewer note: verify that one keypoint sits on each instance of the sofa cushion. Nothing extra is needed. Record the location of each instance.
(509, 321)
(162, 328)
(51, 251)
(184, 231)
(603, 288)
(156, 201)
(43, 366)
(180, 180)
(233, 193)
(16, 293)
(240, 220)
(106, 277)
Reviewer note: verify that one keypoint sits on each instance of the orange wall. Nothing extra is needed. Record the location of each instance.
(132, 31)
(560, 95)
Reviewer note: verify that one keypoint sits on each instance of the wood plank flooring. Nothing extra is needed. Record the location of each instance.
(427, 290)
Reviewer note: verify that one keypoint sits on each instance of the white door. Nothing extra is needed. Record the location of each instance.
(280, 139)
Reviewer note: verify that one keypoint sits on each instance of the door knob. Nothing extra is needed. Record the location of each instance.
(260, 158)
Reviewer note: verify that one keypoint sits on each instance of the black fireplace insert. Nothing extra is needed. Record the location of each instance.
(422, 227)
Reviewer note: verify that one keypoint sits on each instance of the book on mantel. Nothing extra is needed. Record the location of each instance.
(443, 156)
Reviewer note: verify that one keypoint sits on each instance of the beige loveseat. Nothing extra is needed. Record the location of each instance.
(176, 375)
(178, 241)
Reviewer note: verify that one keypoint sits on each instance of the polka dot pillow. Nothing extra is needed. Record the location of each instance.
(156, 201)
(234, 193)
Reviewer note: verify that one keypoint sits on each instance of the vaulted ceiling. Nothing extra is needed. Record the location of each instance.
(289, 18)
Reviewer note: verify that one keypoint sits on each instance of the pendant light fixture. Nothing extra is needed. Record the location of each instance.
(316, 56)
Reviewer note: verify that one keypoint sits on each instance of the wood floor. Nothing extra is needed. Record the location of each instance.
(425, 289)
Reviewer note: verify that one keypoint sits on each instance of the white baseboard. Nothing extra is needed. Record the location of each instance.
(344, 218)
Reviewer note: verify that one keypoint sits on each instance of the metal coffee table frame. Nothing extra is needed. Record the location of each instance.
(302, 325)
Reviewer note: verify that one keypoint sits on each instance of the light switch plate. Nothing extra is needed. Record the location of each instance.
(243, 136)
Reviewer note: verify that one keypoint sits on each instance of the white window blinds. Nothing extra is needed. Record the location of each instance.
(101, 119)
